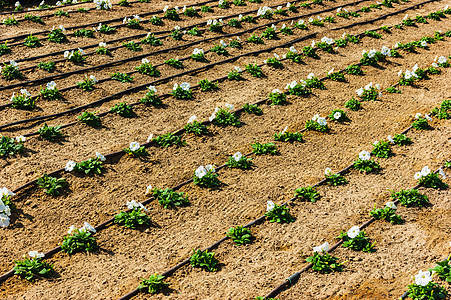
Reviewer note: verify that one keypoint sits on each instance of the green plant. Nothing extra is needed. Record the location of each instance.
(33, 268)
(354, 70)
(124, 3)
(235, 74)
(249, 19)
(106, 29)
(421, 124)
(388, 213)
(239, 161)
(204, 259)
(48, 66)
(274, 62)
(182, 91)
(75, 56)
(90, 119)
(226, 117)
(219, 49)
(313, 82)
(4, 49)
(268, 148)
(136, 217)
(153, 285)
(61, 13)
(286, 136)
(168, 139)
(33, 18)
(432, 181)
(269, 33)
(50, 92)
(402, 140)
(172, 14)
(196, 128)
(279, 214)
(206, 85)
(298, 89)
(235, 43)
(393, 90)
(324, 263)
(31, 42)
(121, 77)
(310, 52)
(410, 198)
(317, 124)
(358, 243)
(57, 36)
(443, 270)
(215, 26)
(353, 104)
(150, 39)
(255, 39)
(366, 165)
(206, 177)
(190, 12)
(206, 8)
(316, 22)
(123, 110)
(337, 76)
(133, 23)
(240, 235)
(11, 71)
(132, 46)
(276, 97)
(136, 150)
(381, 149)
(174, 63)
(84, 33)
(9, 146)
(155, 20)
(335, 179)
(194, 31)
(10, 21)
(431, 291)
(254, 70)
(307, 193)
(89, 166)
(23, 101)
(234, 23)
(443, 111)
(198, 55)
(82, 10)
(79, 240)
(88, 83)
(50, 133)
(252, 109)
(341, 42)
(51, 185)
(169, 199)
(102, 49)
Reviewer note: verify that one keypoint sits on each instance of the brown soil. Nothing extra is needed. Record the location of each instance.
(278, 250)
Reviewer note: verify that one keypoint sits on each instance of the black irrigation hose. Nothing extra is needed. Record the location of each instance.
(93, 24)
(167, 78)
(295, 277)
(184, 28)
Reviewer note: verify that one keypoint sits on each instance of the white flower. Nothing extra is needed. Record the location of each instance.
(5, 192)
(375, 143)
(152, 88)
(165, 8)
(222, 43)
(71, 229)
(51, 85)
(423, 278)
(327, 40)
(276, 91)
(25, 92)
(192, 119)
(177, 27)
(150, 137)
(210, 168)
(425, 171)
(185, 85)
(434, 65)
(391, 205)
(17, 4)
(88, 227)
(315, 117)
(390, 139)
(313, 44)
(93, 78)
(400, 73)
(424, 44)
(310, 76)
(364, 155)
(321, 248)
(371, 53)
(417, 115)
(237, 156)
(70, 166)
(269, 205)
(148, 189)
(229, 106)
(212, 117)
(418, 175)
(407, 75)
(134, 146)
(36, 254)
(377, 86)
(100, 156)
(145, 61)
(442, 173)
(197, 51)
(273, 26)
(201, 172)
(353, 232)
(132, 204)
(238, 69)
(66, 54)
(301, 22)
(322, 121)
(20, 139)
(276, 56)
(288, 4)
(102, 44)
(427, 117)
(337, 115)
(441, 60)
(360, 92)
(240, 17)
(328, 171)
(4, 220)
(369, 86)
(385, 51)
(331, 71)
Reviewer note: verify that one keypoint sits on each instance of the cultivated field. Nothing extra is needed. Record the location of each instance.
(311, 118)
